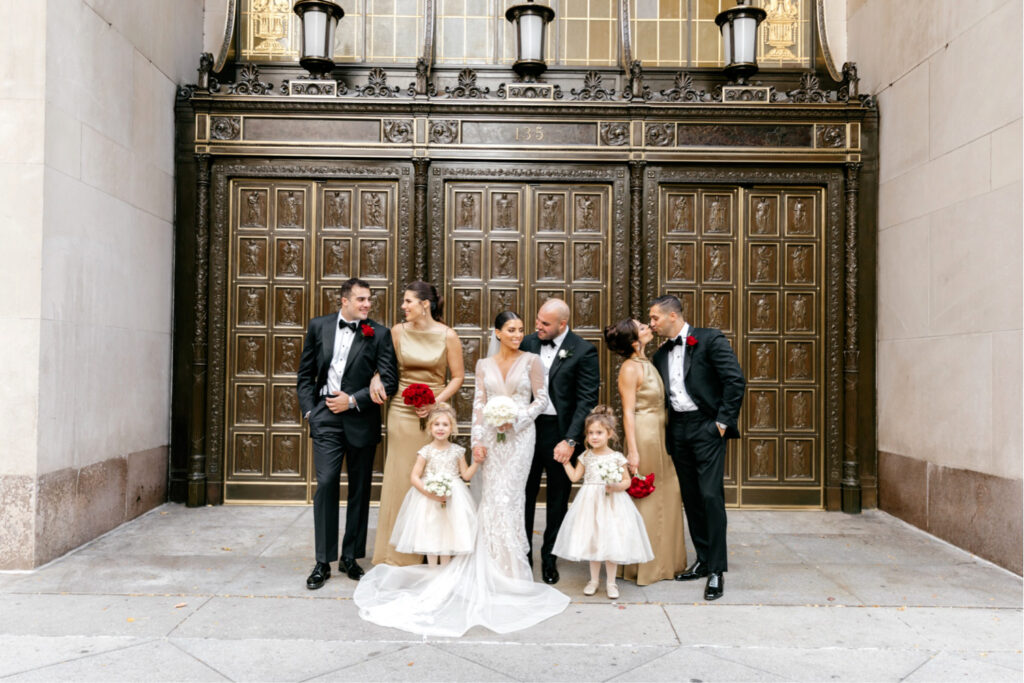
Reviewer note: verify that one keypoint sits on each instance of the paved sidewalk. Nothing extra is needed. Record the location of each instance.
(219, 594)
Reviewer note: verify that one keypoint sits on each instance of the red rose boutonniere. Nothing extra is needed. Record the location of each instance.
(367, 330)
(691, 340)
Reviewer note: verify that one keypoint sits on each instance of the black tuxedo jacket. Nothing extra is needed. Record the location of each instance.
(573, 381)
(368, 354)
(712, 376)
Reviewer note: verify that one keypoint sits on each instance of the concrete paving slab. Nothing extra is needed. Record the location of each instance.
(109, 574)
(927, 585)
(965, 629)
(580, 662)
(900, 550)
(91, 615)
(799, 521)
(948, 666)
(213, 539)
(280, 660)
(25, 653)
(754, 548)
(281, 577)
(152, 661)
(598, 624)
(695, 664)
(239, 618)
(418, 663)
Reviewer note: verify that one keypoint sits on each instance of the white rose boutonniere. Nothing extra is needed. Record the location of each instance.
(565, 353)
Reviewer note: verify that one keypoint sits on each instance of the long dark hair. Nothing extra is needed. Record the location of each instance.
(425, 291)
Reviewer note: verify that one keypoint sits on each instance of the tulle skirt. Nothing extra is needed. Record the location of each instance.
(423, 527)
(471, 590)
(604, 527)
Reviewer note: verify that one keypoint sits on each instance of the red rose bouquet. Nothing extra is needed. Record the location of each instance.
(418, 396)
(641, 487)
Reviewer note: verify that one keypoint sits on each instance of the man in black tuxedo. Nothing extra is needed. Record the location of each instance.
(704, 388)
(572, 378)
(341, 353)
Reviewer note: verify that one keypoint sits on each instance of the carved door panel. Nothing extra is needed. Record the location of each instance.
(512, 247)
(292, 244)
(749, 262)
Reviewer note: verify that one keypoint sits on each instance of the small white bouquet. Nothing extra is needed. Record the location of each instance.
(500, 410)
(609, 472)
(439, 485)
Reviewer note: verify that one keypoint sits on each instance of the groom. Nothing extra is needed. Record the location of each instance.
(704, 388)
(572, 377)
(341, 353)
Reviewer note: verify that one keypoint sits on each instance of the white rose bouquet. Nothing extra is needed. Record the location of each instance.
(439, 485)
(609, 472)
(500, 410)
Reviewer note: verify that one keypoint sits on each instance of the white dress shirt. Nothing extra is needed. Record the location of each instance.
(680, 400)
(547, 357)
(342, 343)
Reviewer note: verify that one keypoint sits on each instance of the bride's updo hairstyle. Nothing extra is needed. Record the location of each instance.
(621, 336)
(504, 317)
(439, 409)
(606, 416)
(425, 291)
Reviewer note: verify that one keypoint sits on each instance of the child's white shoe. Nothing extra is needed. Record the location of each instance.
(613, 590)
(590, 588)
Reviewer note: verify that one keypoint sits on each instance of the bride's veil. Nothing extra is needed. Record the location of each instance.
(493, 345)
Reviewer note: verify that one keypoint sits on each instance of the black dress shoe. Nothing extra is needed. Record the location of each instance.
(697, 570)
(321, 572)
(549, 572)
(716, 584)
(349, 566)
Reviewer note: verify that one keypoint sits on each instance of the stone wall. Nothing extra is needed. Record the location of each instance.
(86, 388)
(947, 77)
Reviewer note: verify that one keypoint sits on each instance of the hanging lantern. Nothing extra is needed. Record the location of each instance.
(319, 20)
(531, 22)
(739, 40)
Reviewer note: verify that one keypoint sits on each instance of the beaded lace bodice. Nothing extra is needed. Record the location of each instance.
(442, 461)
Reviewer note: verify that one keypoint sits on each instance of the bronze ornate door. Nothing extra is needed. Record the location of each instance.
(750, 262)
(292, 243)
(512, 246)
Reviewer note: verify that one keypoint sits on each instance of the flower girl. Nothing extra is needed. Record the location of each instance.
(602, 524)
(438, 515)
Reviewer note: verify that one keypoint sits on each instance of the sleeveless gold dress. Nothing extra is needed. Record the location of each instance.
(662, 510)
(422, 359)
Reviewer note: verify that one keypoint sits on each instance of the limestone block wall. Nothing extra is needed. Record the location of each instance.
(947, 77)
(90, 389)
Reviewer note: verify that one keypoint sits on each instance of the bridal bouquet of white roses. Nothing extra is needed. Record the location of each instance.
(500, 410)
(439, 485)
(609, 472)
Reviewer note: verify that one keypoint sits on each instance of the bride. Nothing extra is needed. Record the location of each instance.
(492, 586)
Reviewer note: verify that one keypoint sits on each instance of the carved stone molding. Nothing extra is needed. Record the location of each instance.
(636, 220)
(225, 127)
(683, 90)
(397, 131)
(467, 87)
(529, 91)
(377, 85)
(198, 420)
(420, 211)
(830, 136)
(659, 134)
(614, 133)
(636, 89)
(249, 82)
(592, 90)
(443, 132)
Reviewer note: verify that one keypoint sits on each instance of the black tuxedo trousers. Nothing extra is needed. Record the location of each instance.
(698, 453)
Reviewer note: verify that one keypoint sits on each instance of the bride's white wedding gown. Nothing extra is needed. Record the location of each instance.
(492, 586)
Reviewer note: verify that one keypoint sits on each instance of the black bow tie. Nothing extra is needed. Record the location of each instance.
(354, 326)
(678, 341)
(547, 342)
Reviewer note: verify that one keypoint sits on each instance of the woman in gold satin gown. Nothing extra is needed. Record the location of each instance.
(428, 352)
(643, 421)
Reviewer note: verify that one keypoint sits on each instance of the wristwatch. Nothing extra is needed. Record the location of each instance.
(352, 403)
(571, 442)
